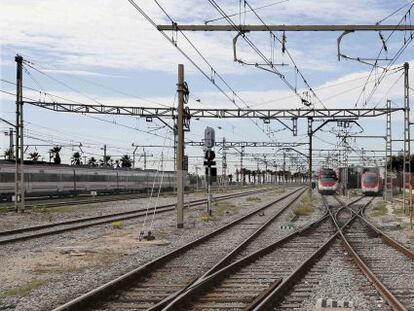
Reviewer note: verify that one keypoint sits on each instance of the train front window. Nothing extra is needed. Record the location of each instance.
(328, 178)
(371, 179)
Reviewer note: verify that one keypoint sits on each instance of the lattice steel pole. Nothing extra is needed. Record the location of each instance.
(388, 154)
(19, 190)
(406, 165)
(310, 134)
(180, 148)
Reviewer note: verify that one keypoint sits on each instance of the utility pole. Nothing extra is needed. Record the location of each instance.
(224, 163)
(104, 155)
(388, 157)
(11, 130)
(310, 134)
(19, 190)
(180, 147)
(407, 145)
(196, 169)
(145, 158)
(133, 155)
(241, 166)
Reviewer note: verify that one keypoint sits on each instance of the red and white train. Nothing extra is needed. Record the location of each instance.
(371, 183)
(327, 181)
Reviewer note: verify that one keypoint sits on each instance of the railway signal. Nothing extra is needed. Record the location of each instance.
(211, 170)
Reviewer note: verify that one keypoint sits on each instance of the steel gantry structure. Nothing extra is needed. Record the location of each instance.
(182, 116)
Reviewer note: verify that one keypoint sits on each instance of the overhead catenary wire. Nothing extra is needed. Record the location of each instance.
(212, 75)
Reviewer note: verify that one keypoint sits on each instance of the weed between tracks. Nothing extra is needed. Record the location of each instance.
(253, 199)
(380, 209)
(306, 204)
(25, 289)
(117, 225)
(220, 209)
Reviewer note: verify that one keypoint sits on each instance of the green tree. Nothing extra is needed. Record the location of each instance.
(76, 158)
(55, 154)
(126, 161)
(34, 156)
(92, 162)
(107, 161)
(9, 154)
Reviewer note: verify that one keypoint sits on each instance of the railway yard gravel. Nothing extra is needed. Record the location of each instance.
(341, 281)
(391, 222)
(42, 273)
(43, 215)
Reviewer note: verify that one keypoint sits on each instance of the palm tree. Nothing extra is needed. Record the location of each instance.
(92, 162)
(34, 156)
(76, 159)
(55, 154)
(126, 161)
(106, 161)
(8, 154)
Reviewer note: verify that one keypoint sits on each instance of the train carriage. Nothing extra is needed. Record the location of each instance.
(327, 181)
(54, 180)
(371, 183)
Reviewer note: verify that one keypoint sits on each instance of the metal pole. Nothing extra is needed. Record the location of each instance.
(310, 134)
(104, 158)
(406, 161)
(224, 163)
(19, 174)
(241, 166)
(145, 158)
(11, 143)
(180, 147)
(134, 156)
(209, 196)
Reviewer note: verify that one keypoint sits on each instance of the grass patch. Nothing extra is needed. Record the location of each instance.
(25, 289)
(40, 209)
(3, 210)
(253, 199)
(303, 211)
(380, 209)
(306, 204)
(398, 211)
(222, 208)
(117, 225)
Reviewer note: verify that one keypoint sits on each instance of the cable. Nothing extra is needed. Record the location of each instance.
(105, 87)
(289, 55)
(213, 72)
(258, 8)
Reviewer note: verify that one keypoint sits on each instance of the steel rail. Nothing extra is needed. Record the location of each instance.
(87, 299)
(274, 295)
(206, 282)
(227, 259)
(386, 238)
(102, 219)
(381, 288)
(88, 199)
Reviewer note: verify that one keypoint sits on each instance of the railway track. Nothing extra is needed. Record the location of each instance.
(245, 282)
(154, 285)
(53, 202)
(26, 233)
(374, 253)
(385, 262)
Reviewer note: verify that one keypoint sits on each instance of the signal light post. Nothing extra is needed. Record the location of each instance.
(209, 140)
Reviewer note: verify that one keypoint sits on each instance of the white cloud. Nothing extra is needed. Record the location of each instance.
(75, 34)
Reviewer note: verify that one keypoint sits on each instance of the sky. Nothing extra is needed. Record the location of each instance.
(106, 52)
